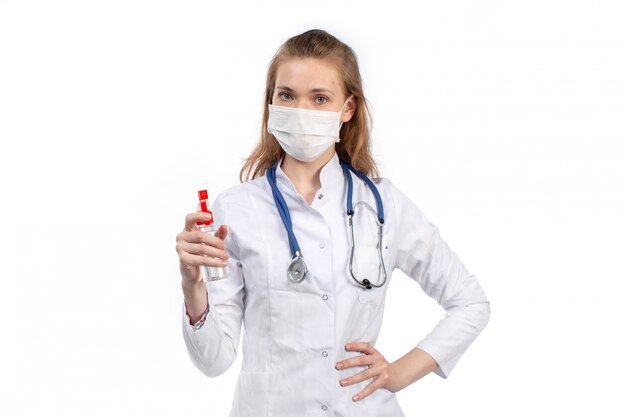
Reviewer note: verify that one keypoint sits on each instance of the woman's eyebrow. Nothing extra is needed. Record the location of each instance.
(313, 90)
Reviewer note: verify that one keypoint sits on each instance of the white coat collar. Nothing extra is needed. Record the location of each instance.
(331, 176)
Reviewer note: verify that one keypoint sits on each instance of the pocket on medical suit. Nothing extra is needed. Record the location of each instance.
(366, 265)
(251, 394)
(289, 305)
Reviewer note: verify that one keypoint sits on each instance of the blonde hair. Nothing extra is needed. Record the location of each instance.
(354, 146)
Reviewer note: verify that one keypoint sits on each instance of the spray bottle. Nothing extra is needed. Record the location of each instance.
(211, 273)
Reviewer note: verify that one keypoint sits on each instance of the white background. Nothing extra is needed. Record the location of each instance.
(504, 121)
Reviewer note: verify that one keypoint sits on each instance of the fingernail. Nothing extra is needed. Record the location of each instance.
(339, 366)
(343, 381)
(207, 216)
(356, 397)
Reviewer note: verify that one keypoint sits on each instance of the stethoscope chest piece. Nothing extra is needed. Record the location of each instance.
(297, 269)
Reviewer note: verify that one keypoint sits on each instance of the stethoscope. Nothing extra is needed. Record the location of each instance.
(297, 269)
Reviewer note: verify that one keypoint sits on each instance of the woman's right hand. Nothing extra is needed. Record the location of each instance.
(192, 245)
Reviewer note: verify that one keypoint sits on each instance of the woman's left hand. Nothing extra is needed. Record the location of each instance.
(383, 372)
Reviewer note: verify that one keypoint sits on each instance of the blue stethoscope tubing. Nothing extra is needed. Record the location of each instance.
(298, 270)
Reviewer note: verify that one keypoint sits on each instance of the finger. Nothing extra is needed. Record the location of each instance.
(202, 237)
(202, 249)
(192, 218)
(361, 376)
(222, 232)
(368, 390)
(189, 259)
(361, 360)
(361, 347)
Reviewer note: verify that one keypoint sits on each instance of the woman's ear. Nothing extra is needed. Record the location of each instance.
(350, 108)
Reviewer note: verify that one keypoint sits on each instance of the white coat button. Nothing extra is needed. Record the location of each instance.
(320, 196)
(324, 353)
(324, 407)
(322, 245)
(324, 297)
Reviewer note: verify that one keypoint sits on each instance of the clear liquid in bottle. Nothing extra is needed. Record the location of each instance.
(210, 273)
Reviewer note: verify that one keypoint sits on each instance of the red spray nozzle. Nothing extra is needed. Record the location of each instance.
(203, 196)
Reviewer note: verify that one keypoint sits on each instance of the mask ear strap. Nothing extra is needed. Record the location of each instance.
(341, 111)
(344, 104)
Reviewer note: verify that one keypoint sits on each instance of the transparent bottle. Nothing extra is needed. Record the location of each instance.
(210, 273)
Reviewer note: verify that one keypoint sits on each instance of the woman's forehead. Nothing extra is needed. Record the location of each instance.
(305, 74)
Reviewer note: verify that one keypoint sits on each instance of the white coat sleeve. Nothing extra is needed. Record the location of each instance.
(213, 347)
(424, 256)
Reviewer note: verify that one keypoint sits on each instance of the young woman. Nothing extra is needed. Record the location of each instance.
(310, 243)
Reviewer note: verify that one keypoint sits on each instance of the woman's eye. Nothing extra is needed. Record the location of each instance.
(281, 95)
(322, 102)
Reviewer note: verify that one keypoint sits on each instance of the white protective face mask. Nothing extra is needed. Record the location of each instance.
(303, 133)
